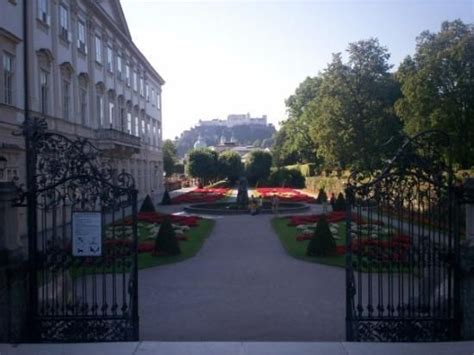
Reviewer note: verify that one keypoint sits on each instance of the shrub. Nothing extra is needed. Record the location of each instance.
(322, 243)
(322, 197)
(340, 203)
(258, 166)
(147, 205)
(286, 178)
(166, 200)
(230, 166)
(166, 241)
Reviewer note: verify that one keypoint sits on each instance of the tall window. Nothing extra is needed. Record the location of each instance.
(122, 119)
(154, 133)
(100, 109)
(153, 97)
(98, 49)
(143, 129)
(137, 132)
(142, 87)
(158, 100)
(7, 78)
(119, 66)
(135, 82)
(83, 104)
(66, 99)
(44, 91)
(43, 11)
(109, 59)
(148, 131)
(111, 114)
(64, 23)
(147, 92)
(81, 36)
(127, 74)
(129, 122)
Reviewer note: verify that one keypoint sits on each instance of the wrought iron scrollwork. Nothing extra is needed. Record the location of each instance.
(402, 253)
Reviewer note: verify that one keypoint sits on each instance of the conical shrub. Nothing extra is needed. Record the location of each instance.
(147, 205)
(322, 243)
(166, 200)
(340, 203)
(165, 241)
(322, 196)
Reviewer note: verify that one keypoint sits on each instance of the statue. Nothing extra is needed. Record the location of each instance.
(242, 193)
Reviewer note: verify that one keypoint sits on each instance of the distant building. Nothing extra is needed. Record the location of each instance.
(235, 120)
(200, 143)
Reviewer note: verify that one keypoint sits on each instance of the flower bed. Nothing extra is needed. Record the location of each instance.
(285, 194)
(201, 195)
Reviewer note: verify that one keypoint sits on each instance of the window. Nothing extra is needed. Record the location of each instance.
(154, 133)
(153, 97)
(142, 87)
(148, 130)
(100, 110)
(127, 74)
(137, 133)
(110, 59)
(43, 11)
(44, 91)
(147, 92)
(81, 37)
(64, 23)
(143, 128)
(83, 104)
(158, 100)
(111, 114)
(135, 82)
(66, 99)
(119, 66)
(7, 79)
(129, 122)
(98, 49)
(122, 119)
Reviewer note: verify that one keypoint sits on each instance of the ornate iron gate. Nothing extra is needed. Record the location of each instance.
(82, 241)
(403, 247)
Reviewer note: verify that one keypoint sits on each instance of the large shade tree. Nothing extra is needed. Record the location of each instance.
(169, 157)
(202, 164)
(352, 117)
(438, 87)
(230, 165)
(258, 165)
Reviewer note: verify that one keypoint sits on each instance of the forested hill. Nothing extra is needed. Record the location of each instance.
(257, 135)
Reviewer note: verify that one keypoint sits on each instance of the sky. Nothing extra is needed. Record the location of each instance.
(231, 57)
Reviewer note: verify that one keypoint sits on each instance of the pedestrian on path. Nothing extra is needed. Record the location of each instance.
(275, 204)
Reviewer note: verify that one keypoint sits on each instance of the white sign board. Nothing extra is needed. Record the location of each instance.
(86, 233)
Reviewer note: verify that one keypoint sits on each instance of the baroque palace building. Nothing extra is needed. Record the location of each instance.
(87, 78)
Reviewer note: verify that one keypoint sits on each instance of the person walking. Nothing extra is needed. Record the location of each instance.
(275, 204)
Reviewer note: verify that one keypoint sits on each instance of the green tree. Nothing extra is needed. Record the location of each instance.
(258, 165)
(169, 157)
(438, 87)
(230, 165)
(202, 164)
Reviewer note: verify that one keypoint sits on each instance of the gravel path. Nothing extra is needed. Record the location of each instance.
(242, 286)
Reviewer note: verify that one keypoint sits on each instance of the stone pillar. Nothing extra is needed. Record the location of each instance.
(467, 264)
(13, 271)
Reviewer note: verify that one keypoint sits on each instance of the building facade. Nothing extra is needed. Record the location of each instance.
(87, 78)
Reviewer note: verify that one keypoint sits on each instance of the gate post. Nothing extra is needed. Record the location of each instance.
(467, 264)
(13, 271)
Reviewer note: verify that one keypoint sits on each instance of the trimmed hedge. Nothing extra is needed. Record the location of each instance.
(286, 178)
(305, 169)
(147, 205)
(166, 200)
(166, 241)
(322, 243)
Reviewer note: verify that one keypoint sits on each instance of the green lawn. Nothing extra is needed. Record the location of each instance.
(297, 249)
(189, 248)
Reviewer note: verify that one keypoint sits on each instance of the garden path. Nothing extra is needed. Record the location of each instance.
(242, 286)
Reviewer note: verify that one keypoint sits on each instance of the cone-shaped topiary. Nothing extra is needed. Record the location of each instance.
(322, 197)
(322, 243)
(166, 200)
(340, 203)
(165, 241)
(147, 205)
